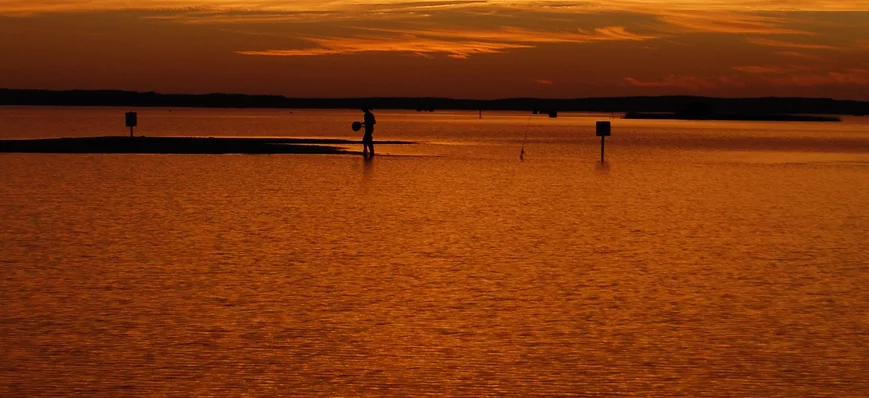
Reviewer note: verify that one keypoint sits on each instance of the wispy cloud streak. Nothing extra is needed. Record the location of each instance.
(458, 43)
(355, 5)
(787, 44)
(754, 76)
(758, 40)
(406, 44)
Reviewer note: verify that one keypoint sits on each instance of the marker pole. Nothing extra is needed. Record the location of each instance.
(602, 138)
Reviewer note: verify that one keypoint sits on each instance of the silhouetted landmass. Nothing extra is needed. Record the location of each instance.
(705, 110)
(767, 117)
(182, 145)
(665, 104)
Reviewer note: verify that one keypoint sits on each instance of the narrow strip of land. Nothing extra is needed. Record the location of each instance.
(749, 117)
(668, 104)
(185, 145)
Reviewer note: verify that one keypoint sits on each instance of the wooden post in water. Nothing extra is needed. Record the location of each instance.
(603, 130)
(602, 139)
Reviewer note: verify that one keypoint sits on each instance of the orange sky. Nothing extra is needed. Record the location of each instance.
(459, 48)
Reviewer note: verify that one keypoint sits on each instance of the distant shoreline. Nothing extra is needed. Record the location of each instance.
(734, 117)
(660, 104)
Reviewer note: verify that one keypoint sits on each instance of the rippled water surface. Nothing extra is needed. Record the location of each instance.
(703, 259)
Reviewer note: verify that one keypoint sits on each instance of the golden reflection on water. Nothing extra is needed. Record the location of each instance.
(679, 272)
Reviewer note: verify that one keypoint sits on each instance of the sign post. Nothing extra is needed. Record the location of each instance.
(131, 120)
(603, 130)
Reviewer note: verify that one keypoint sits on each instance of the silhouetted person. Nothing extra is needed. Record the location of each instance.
(368, 138)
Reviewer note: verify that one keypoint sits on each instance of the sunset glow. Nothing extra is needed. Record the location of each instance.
(470, 49)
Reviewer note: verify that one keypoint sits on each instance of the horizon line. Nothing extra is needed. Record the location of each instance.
(151, 92)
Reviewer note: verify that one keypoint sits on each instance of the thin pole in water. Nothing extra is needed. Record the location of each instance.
(602, 138)
(524, 140)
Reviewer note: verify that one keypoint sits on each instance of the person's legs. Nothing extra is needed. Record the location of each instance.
(368, 143)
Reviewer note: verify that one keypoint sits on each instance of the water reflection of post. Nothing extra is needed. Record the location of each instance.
(602, 168)
(367, 168)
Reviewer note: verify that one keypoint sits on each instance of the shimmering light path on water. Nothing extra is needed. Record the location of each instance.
(681, 268)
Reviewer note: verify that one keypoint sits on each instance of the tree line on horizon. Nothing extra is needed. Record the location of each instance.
(675, 104)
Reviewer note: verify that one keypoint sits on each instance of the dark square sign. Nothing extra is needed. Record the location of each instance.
(131, 119)
(603, 129)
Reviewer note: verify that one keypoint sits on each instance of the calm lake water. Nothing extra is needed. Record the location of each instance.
(703, 259)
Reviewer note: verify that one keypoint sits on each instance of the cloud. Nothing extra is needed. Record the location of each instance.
(616, 33)
(799, 55)
(214, 17)
(786, 44)
(543, 82)
(559, 6)
(850, 77)
(759, 70)
(754, 76)
(724, 22)
(756, 17)
(459, 43)
(405, 44)
(772, 69)
(690, 83)
(522, 35)
(211, 9)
